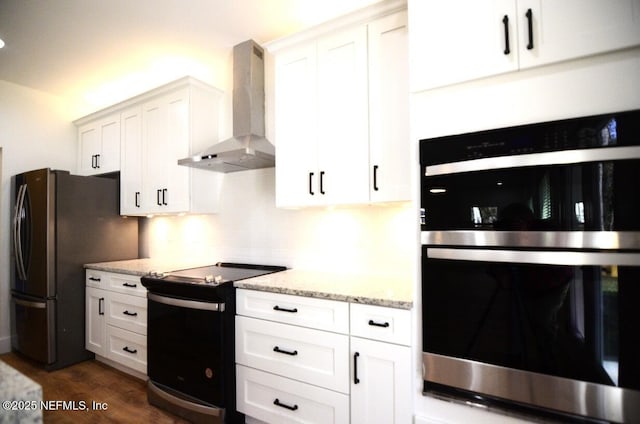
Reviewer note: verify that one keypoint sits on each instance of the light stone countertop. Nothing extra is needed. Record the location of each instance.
(21, 389)
(141, 267)
(395, 292)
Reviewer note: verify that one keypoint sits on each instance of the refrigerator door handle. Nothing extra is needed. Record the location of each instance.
(17, 229)
(30, 304)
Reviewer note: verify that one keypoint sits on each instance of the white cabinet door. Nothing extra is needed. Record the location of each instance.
(131, 162)
(381, 383)
(389, 142)
(99, 146)
(296, 127)
(343, 130)
(460, 40)
(562, 30)
(95, 303)
(165, 139)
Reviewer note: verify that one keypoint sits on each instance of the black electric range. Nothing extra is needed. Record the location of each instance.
(191, 340)
(206, 282)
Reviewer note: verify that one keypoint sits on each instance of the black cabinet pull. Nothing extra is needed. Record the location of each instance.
(505, 21)
(97, 161)
(94, 278)
(281, 309)
(311, 184)
(130, 285)
(322, 182)
(529, 16)
(101, 306)
(375, 177)
(286, 352)
(377, 324)
(126, 349)
(94, 161)
(164, 197)
(284, 405)
(137, 199)
(131, 314)
(158, 193)
(356, 380)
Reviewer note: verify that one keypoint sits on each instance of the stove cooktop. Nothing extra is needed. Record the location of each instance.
(203, 282)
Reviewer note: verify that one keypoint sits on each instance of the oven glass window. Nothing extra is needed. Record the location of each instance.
(567, 321)
(585, 197)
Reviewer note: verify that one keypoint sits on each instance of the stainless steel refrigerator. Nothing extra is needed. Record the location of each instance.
(60, 222)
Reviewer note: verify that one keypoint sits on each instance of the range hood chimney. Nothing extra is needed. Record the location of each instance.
(248, 148)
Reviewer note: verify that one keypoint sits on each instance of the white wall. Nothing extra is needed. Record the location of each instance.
(35, 132)
(249, 228)
(594, 85)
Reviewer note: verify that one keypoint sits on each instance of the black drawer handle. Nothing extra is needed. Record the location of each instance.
(529, 16)
(278, 308)
(311, 184)
(322, 183)
(94, 278)
(286, 352)
(137, 199)
(375, 177)
(131, 314)
(356, 380)
(101, 306)
(130, 285)
(377, 324)
(505, 21)
(284, 405)
(126, 349)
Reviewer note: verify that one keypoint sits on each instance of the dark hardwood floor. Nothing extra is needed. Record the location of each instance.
(125, 396)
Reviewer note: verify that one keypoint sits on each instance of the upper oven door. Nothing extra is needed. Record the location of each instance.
(515, 187)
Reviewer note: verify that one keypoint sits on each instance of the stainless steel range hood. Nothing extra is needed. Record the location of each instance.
(248, 148)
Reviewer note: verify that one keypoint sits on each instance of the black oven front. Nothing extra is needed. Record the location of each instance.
(531, 266)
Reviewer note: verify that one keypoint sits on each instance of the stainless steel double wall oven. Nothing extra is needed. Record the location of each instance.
(531, 267)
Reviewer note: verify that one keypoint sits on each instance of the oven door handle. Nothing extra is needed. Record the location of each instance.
(535, 256)
(562, 157)
(185, 303)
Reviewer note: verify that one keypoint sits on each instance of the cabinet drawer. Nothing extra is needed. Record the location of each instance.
(94, 278)
(381, 323)
(317, 357)
(321, 314)
(123, 283)
(127, 348)
(276, 399)
(127, 312)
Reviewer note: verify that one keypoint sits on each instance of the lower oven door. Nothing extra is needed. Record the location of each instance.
(555, 330)
(185, 348)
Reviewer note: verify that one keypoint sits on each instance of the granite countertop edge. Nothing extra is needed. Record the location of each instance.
(319, 294)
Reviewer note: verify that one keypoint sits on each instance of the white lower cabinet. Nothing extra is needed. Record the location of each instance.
(381, 378)
(275, 399)
(290, 369)
(381, 384)
(116, 318)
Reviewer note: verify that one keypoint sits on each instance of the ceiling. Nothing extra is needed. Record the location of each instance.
(94, 53)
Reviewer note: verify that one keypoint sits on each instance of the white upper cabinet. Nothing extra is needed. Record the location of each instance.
(341, 116)
(462, 40)
(569, 29)
(131, 161)
(165, 139)
(389, 165)
(152, 131)
(296, 126)
(99, 146)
